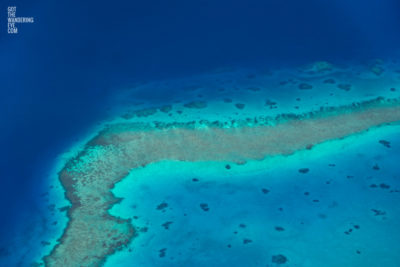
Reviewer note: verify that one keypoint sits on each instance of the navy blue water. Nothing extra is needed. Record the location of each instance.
(57, 74)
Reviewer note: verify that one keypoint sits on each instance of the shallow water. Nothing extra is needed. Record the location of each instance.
(332, 215)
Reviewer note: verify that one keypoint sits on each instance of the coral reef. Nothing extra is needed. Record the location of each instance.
(121, 147)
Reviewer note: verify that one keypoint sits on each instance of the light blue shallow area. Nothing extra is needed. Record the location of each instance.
(331, 216)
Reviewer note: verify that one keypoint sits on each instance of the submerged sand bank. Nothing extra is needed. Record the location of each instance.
(92, 233)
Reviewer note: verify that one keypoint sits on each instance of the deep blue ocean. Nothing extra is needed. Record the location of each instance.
(57, 75)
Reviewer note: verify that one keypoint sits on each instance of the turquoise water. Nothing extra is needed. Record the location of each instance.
(339, 213)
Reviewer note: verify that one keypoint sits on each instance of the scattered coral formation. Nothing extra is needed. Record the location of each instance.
(317, 67)
(119, 148)
(305, 86)
(196, 104)
(376, 67)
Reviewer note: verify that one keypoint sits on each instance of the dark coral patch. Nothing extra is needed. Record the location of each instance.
(196, 104)
(344, 86)
(304, 170)
(305, 86)
(377, 70)
(162, 206)
(271, 104)
(247, 241)
(143, 229)
(162, 252)
(204, 207)
(378, 212)
(265, 191)
(279, 259)
(384, 143)
(145, 112)
(240, 105)
(166, 225)
(384, 186)
(65, 208)
(330, 81)
(166, 108)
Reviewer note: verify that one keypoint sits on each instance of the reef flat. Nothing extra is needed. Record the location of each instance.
(92, 233)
